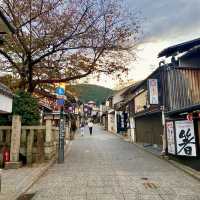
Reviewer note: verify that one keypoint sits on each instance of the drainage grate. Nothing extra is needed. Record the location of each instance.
(150, 185)
(144, 178)
(26, 196)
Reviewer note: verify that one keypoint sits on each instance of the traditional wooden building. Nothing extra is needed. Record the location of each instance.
(145, 109)
(167, 102)
(181, 89)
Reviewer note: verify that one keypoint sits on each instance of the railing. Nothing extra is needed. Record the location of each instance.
(37, 143)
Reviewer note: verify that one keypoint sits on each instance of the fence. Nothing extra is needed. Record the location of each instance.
(37, 143)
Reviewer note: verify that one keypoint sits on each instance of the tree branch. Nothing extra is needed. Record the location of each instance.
(8, 57)
(63, 79)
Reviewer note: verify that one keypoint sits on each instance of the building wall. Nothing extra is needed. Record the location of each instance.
(117, 98)
(5, 104)
(191, 59)
(149, 129)
(111, 123)
(183, 88)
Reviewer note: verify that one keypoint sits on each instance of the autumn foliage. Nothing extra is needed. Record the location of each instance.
(63, 40)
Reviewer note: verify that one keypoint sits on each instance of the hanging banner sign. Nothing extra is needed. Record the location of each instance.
(153, 91)
(140, 101)
(170, 137)
(185, 138)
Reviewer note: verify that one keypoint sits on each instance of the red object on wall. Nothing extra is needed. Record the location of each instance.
(189, 117)
(199, 115)
(6, 155)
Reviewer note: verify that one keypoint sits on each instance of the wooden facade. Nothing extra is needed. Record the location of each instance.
(178, 94)
(182, 88)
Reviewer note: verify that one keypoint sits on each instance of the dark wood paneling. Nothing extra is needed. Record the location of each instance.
(183, 88)
(149, 129)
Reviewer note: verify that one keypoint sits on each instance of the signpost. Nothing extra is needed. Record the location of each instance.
(60, 91)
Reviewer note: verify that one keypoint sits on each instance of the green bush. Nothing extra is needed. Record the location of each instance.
(27, 107)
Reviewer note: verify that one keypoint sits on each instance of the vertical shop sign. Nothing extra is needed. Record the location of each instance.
(170, 137)
(185, 138)
(153, 91)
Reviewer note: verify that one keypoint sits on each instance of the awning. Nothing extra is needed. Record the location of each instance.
(183, 110)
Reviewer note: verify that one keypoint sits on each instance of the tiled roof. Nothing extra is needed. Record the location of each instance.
(179, 48)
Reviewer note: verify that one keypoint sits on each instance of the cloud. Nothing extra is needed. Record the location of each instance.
(168, 19)
(164, 23)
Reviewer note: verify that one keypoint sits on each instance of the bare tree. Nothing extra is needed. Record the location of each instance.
(59, 41)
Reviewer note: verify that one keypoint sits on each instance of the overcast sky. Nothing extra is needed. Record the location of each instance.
(164, 23)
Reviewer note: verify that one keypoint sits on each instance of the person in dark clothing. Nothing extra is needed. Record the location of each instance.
(90, 125)
(73, 129)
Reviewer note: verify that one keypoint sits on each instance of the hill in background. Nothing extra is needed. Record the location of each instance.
(87, 92)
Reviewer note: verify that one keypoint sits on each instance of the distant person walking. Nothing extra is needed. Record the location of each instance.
(82, 129)
(73, 129)
(90, 125)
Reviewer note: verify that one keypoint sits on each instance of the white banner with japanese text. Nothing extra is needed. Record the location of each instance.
(170, 137)
(153, 91)
(185, 138)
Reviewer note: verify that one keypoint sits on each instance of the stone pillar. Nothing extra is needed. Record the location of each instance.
(29, 153)
(8, 137)
(48, 149)
(40, 147)
(15, 143)
(23, 137)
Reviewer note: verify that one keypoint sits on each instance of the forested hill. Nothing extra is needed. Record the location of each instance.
(87, 92)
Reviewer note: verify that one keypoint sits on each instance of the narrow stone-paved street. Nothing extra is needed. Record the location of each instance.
(104, 167)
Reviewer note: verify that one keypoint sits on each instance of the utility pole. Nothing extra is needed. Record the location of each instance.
(60, 91)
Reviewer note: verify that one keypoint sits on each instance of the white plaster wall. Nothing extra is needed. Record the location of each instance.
(5, 104)
(111, 123)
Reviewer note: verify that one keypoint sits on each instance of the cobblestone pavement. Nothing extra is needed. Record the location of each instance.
(104, 167)
(15, 180)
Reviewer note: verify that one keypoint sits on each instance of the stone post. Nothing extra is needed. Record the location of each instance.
(48, 140)
(23, 137)
(8, 137)
(40, 147)
(29, 153)
(15, 143)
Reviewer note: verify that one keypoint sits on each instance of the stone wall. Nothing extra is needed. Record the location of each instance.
(33, 143)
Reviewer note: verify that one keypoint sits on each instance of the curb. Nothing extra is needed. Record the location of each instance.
(37, 176)
(33, 180)
(195, 174)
